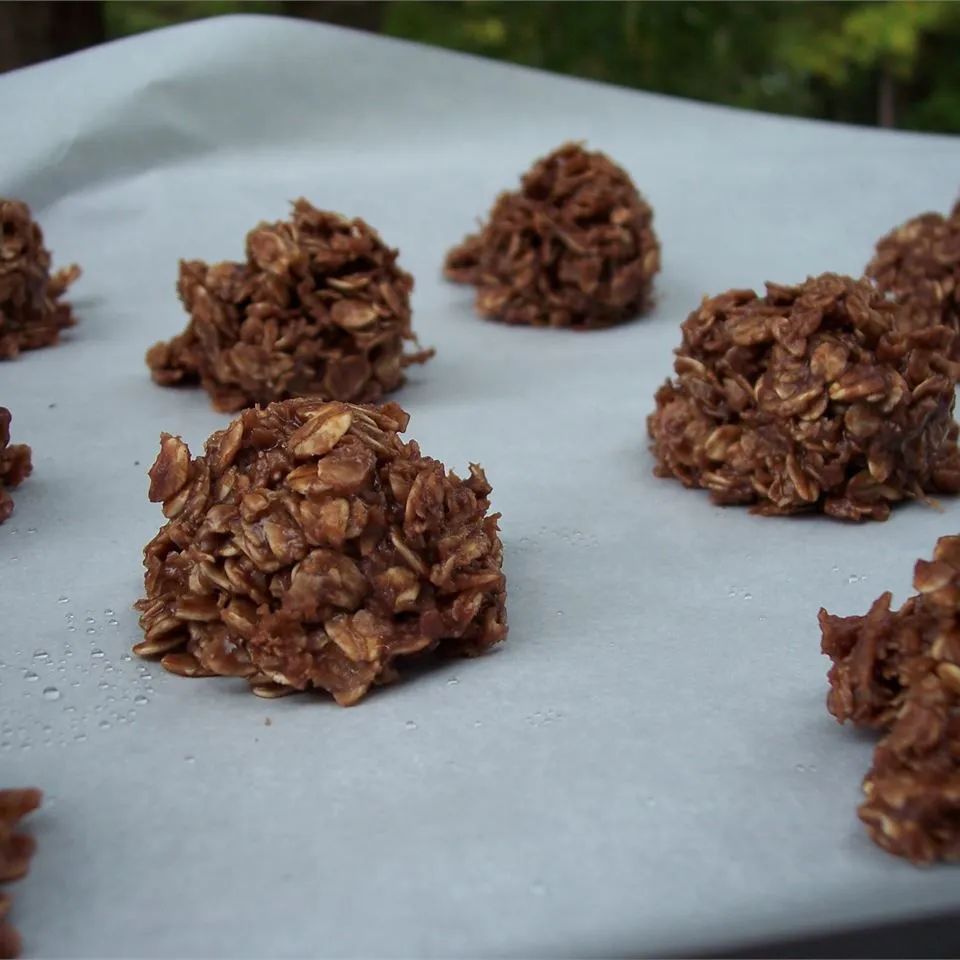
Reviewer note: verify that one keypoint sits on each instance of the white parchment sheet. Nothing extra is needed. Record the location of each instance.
(647, 764)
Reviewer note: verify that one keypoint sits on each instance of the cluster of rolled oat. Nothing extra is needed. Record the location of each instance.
(811, 397)
(310, 547)
(16, 851)
(31, 311)
(899, 672)
(319, 307)
(837, 395)
(15, 465)
(574, 247)
(918, 263)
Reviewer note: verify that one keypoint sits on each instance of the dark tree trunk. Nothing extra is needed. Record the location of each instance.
(359, 14)
(35, 30)
(887, 100)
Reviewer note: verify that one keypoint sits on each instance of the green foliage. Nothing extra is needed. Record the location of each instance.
(125, 17)
(828, 60)
(877, 33)
(813, 59)
(869, 36)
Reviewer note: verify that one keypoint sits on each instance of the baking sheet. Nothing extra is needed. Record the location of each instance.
(646, 765)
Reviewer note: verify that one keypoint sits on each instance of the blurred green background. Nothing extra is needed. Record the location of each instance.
(894, 64)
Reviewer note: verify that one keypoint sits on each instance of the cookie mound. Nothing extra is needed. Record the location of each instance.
(32, 313)
(573, 247)
(310, 547)
(319, 308)
(813, 397)
(918, 263)
(15, 464)
(898, 671)
(16, 852)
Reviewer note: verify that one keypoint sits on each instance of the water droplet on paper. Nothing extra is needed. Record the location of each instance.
(189, 758)
(30, 676)
(104, 724)
(63, 599)
(97, 652)
(748, 596)
(410, 725)
(89, 620)
(51, 693)
(80, 737)
(41, 655)
(453, 681)
(853, 578)
(91, 631)
(108, 612)
(140, 700)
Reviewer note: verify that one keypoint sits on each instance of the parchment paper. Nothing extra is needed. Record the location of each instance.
(647, 764)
